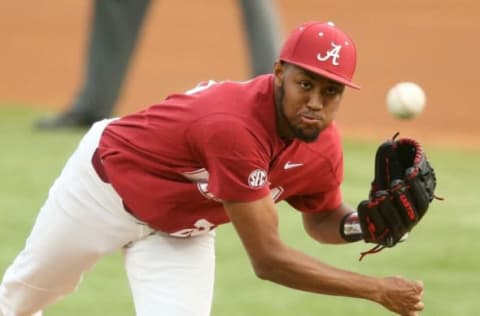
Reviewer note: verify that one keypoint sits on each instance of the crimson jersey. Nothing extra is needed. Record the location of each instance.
(174, 162)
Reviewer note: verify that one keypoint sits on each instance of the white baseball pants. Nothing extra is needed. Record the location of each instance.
(82, 220)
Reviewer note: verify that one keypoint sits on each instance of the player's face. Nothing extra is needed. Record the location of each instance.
(306, 102)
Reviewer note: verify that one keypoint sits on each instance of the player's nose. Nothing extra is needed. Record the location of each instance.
(315, 102)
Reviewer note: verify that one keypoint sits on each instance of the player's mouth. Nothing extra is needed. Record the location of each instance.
(310, 119)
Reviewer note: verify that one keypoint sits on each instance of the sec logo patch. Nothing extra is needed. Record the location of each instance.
(257, 178)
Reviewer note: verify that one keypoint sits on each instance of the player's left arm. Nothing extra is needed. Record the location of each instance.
(326, 226)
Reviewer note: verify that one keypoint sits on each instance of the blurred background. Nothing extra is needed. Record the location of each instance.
(433, 43)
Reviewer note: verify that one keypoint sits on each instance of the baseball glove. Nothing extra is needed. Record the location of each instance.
(400, 195)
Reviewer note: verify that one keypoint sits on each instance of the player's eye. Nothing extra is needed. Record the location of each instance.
(333, 90)
(305, 85)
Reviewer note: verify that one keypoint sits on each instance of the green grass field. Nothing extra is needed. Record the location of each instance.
(441, 250)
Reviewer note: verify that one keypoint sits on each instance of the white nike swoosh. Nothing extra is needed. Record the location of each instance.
(290, 165)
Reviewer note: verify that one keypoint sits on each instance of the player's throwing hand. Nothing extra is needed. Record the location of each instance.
(402, 296)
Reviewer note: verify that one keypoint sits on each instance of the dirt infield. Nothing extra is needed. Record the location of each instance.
(434, 43)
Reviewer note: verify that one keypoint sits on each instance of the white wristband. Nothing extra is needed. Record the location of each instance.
(350, 228)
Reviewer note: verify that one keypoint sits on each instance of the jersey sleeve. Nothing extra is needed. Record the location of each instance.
(236, 161)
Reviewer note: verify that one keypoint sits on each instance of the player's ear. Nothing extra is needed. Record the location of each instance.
(278, 71)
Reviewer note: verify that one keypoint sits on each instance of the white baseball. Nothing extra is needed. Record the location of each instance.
(405, 100)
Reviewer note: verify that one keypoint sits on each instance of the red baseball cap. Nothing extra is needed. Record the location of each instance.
(324, 49)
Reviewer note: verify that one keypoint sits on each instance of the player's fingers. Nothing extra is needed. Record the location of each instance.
(419, 286)
(419, 306)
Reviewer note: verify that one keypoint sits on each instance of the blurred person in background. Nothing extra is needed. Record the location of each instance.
(115, 30)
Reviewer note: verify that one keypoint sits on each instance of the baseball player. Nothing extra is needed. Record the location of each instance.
(158, 182)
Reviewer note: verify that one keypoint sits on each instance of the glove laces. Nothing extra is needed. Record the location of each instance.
(375, 249)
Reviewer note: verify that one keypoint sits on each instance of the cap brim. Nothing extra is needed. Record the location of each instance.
(325, 74)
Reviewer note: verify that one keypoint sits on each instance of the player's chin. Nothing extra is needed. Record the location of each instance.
(307, 134)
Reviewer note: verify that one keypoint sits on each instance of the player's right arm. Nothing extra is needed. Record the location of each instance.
(257, 226)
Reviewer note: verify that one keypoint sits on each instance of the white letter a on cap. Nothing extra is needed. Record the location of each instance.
(334, 53)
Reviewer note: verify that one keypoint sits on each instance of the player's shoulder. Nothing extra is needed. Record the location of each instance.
(247, 90)
(212, 85)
